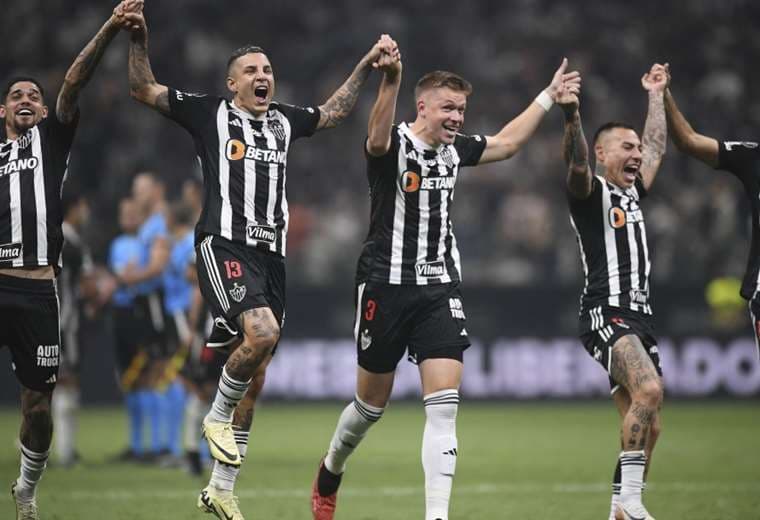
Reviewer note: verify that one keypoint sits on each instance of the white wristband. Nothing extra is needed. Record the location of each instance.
(545, 100)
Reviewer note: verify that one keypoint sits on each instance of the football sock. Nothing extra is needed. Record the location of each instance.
(176, 398)
(135, 406)
(228, 395)
(156, 411)
(632, 464)
(615, 491)
(223, 476)
(65, 406)
(194, 412)
(439, 451)
(352, 426)
(32, 466)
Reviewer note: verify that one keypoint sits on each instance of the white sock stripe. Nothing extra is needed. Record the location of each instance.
(34, 455)
(213, 273)
(368, 414)
(441, 397)
(233, 384)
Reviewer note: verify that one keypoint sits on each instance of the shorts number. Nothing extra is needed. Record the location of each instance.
(369, 315)
(233, 269)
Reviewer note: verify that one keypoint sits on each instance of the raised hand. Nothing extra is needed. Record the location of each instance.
(385, 55)
(128, 15)
(564, 83)
(657, 79)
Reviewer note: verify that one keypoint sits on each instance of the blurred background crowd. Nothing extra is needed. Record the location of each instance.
(511, 218)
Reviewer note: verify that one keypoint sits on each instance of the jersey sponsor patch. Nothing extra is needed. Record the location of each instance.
(433, 269)
(47, 355)
(457, 309)
(28, 163)
(11, 251)
(262, 233)
(237, 150)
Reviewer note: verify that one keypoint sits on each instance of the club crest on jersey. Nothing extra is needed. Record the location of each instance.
(277, 129)
(17, 165)
(431, 269)
(11, 251)
(447, 157)
(25, 140)
(238, 292)
(262, 233)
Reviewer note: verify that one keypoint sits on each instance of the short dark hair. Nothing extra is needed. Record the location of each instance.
(242, 51)
(606, 127)
(16, 79)
(441, 79)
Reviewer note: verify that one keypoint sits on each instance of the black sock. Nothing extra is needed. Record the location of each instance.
(327, 483)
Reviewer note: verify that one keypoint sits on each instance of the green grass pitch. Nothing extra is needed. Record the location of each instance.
(520, 461)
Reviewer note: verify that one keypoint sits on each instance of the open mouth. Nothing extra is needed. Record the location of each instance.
(25, 112)
(261, 92)
(451, 130)
(631, 171)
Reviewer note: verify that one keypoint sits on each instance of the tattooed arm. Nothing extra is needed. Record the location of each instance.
(82, 70)
(655, 129)
(686, 138)
(142, 83)
(575, 153)
(340, 104)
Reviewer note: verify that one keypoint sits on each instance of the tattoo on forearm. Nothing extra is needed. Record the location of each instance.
(140, 72)
(340, 104)
(574, 144)
(655, 132)
(82, 70)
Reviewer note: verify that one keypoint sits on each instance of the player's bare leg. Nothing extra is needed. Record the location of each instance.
(441, 378)
(632, 368)
(35, 436)
(372, 394)
(261, 332)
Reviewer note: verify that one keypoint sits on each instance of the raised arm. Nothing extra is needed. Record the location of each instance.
(575, 147)
(82, 70)
(686, 138)
(340, 104)
(384, 111)
(142, 83)
(516, 133)
(655, 129)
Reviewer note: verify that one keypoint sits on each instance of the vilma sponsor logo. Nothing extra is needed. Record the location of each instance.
(431, 269)
(11, 251)
(262, 233)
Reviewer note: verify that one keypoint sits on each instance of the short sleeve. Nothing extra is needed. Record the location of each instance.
(388, 160)
(60, 135)
(192, 111)
(469, 148)
(303, 120)
(738, 157)
(578, 205)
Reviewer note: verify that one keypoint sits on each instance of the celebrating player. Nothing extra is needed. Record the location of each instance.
(407, 294)
(33, 164)
(615, 316)
(240, 239)
(742, 158)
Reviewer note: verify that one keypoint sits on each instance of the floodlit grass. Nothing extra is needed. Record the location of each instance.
(521, 461)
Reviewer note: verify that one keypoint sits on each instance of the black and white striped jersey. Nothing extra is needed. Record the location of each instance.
(244, 160)
(742, 158)
(610, 229)
(32, 171)
(411, 238)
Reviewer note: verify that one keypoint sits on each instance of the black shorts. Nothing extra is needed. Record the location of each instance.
(129, 330)
(149, 311)
(29, 310)
(428, 320)
(234, 278)
(602, 326)
(754, 313)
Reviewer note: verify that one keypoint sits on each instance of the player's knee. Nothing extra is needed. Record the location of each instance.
(263, 336)
(651, 393)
